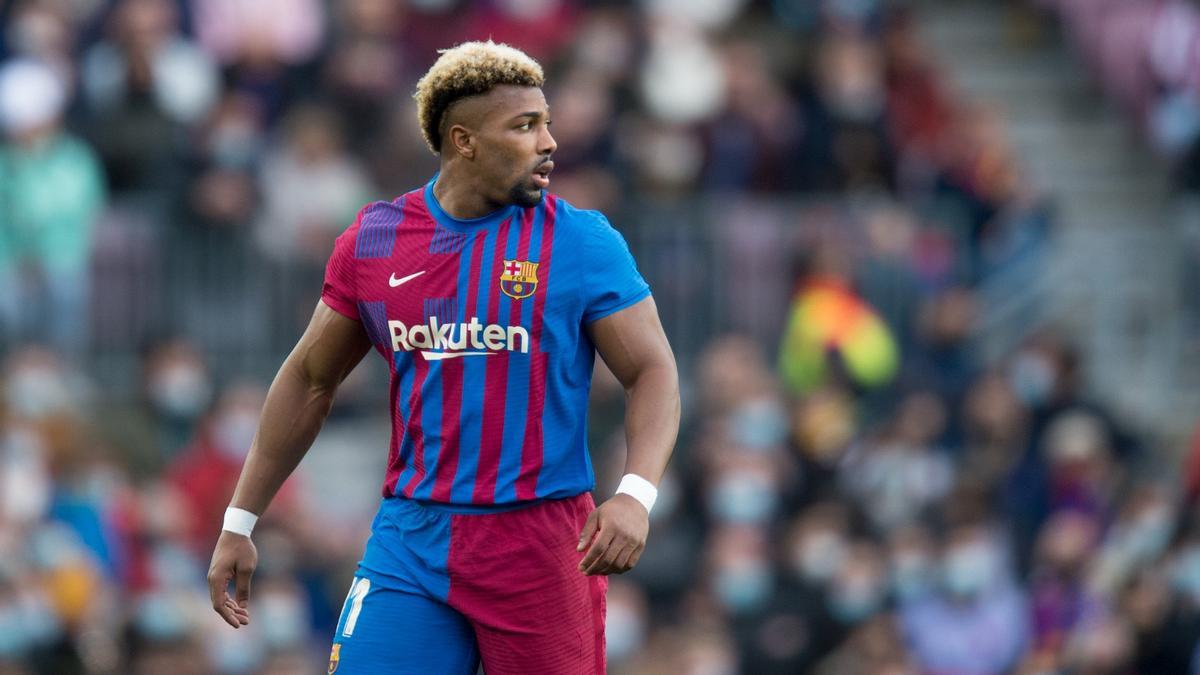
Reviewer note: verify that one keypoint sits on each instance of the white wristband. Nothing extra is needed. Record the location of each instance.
(639, 488)
(239, 521)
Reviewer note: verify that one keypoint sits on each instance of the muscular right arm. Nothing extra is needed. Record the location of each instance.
(297, 403)
(296, 407)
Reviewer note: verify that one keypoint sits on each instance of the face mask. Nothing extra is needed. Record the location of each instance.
(181, 391)
(15, 640)
(855, 600)
(1032, 378)
(759, 425)
(743, 497)
(743, 587)
(24, 481)
(161, 618)
(623, 632)
(235, 145)
(37, 392)
(968, 570)
(173, 567)
(26, 621)
(910, 576)
(237, 651)
(283, 622)
(234, 433)
(1149, 534)
(819, 556)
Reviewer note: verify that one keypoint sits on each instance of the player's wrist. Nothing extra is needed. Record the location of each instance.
(640, 489)
(239, 521)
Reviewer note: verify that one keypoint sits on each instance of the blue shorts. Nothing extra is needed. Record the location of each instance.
(441, 590)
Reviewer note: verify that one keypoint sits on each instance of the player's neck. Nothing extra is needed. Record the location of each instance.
(459, 197)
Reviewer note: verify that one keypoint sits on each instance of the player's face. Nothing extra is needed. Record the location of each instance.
(515, 145)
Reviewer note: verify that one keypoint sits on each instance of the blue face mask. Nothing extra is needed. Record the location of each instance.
(1032, 378)
(743, 498)
(284, 619)
(758, 425)
(852, 603)
(26, 623)
(743, 589)
(161, 618)
(968, 570)
(910, 577)
(15, 639)
(1149, 534)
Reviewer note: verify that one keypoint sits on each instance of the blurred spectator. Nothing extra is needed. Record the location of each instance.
(51, 191)
(143, 84)
(897, 476)
(978, 621)
(846, 144)
(260, 34)
(207, 470)
(311, 188)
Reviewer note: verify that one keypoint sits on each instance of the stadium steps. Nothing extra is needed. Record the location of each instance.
(1113, 279)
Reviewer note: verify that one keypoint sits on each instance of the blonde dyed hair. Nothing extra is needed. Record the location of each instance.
(470, 69)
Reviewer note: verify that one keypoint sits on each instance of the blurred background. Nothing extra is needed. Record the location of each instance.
(930, 270)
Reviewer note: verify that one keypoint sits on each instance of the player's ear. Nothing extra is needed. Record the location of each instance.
(461, 140)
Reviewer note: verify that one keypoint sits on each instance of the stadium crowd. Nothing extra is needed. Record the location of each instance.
(856, 490)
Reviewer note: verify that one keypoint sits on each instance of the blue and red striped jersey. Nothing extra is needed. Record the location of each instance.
(482, 323)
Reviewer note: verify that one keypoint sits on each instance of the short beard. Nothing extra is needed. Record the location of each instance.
(525, 197)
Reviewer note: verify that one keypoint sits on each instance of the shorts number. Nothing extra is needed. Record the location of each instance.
(358, 591)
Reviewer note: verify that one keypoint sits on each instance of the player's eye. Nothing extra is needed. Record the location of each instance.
(526, 126)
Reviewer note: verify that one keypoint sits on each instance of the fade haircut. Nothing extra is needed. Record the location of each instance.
(470, 69)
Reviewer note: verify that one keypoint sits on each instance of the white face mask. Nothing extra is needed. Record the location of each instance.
(24, 479)
(283, 619)
(969, 569)
(759, 425)
(235, 431)
(743, 497)
(743, 585)
(181, 391)
(857, 598)
(37, 391)
(819, 556)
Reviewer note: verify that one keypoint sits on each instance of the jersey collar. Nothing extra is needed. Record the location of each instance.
(470, 225)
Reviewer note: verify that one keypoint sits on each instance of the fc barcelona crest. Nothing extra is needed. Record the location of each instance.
(518, 279)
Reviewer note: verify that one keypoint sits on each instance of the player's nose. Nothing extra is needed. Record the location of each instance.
(546, 143)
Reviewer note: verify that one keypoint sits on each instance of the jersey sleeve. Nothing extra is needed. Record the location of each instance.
(611, 281)
(339, 291)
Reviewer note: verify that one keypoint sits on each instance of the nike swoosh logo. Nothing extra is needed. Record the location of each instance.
(394, 282)
(441, 356)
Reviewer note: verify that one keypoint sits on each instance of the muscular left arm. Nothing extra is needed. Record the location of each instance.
(634, 346)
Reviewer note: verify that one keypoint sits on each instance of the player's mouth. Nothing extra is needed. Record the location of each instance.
(541, 175)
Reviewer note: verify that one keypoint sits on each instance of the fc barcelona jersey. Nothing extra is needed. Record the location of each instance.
(482, 323)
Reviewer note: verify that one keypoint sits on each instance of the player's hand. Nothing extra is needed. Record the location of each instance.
(234, 559)
(614, 536)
